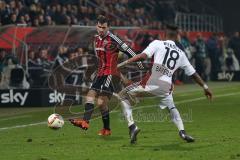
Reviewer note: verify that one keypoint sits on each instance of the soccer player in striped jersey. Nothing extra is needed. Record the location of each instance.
(107, 46)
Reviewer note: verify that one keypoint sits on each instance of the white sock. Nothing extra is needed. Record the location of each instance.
(176, 118)
(127, 110)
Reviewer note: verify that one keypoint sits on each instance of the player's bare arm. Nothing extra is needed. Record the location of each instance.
(199, 81)
(136, 58)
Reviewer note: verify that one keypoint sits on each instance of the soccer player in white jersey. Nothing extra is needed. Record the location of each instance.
(167, 58)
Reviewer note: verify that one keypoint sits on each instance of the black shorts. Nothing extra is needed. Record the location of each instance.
(106, 85)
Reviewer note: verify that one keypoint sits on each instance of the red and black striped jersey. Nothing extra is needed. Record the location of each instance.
(107, 49)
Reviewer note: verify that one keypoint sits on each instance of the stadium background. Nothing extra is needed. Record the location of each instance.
(33, 33)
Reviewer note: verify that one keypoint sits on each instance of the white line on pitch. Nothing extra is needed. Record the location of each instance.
(16, 117)
(178, 102)
(192, 100)
(22, 126)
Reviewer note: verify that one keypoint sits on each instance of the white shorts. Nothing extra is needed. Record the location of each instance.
(137, 90)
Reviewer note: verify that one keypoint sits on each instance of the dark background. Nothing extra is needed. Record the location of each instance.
(229, 10)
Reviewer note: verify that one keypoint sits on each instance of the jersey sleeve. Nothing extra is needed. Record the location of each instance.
(125, 49)
(151, 48)
(186, 66)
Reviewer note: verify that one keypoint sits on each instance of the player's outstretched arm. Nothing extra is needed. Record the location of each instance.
(136, 58)
(125, 49)
(199, 81)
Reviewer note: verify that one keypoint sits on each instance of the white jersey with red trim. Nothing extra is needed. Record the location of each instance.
(167, 59)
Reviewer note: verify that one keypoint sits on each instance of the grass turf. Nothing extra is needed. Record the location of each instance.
(215, 126)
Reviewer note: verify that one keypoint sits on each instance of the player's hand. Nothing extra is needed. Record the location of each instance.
(208, 94)
(125, 80)
(122, 64)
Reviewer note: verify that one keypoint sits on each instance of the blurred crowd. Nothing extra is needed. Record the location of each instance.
(12, 74)
(208, 55)
(40, 65)
(215, 54)
(150, 14)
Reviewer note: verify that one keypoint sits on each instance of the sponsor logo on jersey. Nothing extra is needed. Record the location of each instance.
(105, 42)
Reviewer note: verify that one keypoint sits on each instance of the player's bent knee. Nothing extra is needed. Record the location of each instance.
(125, 96)
(100, 104)
(90, 100)
(103, 108)
(102, 101)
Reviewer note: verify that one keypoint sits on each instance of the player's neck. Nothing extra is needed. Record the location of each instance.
(170, 38)
(104, 35)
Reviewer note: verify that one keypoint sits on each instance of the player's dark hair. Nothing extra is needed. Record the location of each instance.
(171, 31)
(102, 19)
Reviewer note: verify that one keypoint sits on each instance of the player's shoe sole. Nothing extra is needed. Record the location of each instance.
(186, 137)
(133, 135)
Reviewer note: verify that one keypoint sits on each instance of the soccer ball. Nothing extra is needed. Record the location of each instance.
(55, 121)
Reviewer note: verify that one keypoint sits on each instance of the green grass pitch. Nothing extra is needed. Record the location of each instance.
(24, 134)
